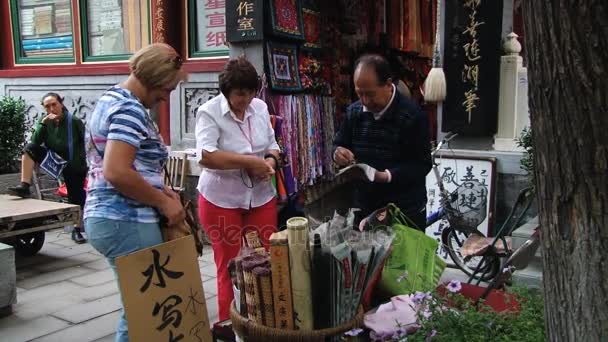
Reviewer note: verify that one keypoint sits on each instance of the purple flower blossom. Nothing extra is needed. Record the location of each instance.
(454, 286)
(399, 333)
(427, 314)
(354, 332)
(420, 297)
(433, 333)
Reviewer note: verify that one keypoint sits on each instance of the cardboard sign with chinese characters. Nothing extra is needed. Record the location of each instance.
(163, 293)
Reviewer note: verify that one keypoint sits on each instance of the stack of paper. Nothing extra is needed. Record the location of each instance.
(43, 20)
(358, 171)
(27, 22)
(63, 20)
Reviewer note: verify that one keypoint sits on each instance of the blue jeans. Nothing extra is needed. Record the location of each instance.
(114, 238)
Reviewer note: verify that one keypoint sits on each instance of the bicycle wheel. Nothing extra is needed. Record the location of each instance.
(453, 240)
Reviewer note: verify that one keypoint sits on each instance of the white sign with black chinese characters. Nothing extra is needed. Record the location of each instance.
(476, 179)
(163, 294)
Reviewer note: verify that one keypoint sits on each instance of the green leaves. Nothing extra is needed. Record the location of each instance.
(469, 323)
(526, 141)
(12, 132)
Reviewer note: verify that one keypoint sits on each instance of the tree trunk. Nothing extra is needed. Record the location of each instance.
(567, 53)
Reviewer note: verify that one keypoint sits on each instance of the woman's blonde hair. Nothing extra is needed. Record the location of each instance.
(157, 65)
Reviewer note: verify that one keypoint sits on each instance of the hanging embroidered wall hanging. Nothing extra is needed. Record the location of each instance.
(312, 29)
(286, 19)
(283, 66)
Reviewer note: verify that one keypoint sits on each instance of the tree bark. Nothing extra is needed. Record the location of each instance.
(567, 54)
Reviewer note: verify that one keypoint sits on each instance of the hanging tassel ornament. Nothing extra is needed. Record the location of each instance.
(435, 84)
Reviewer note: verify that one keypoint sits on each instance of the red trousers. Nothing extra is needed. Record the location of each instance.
(223, 227)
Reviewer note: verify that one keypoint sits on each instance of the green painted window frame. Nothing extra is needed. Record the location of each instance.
(84, 36)
(17, 41)
(192, 50)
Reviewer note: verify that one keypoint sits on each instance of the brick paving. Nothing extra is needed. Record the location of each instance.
(67, 292)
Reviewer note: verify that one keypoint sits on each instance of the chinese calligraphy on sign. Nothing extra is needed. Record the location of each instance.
(454, 172)
(244, 20)
(472, 66)
(162, 287)
(211, 26)
(158, 270)
(245, 8)
(245, 13)
(471, 50)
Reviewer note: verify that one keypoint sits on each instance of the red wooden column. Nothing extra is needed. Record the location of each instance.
(160, 34)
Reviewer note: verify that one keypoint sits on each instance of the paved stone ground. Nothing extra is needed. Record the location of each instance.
(67, 292)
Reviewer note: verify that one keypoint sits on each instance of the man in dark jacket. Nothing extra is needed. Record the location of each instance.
(387, 131)
(51, 133)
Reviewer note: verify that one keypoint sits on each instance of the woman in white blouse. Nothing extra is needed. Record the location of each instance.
(239, 153)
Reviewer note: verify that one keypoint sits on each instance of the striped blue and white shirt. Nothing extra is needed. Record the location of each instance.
(119, 115)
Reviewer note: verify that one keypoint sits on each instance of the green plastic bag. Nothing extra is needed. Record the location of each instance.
(412, 264)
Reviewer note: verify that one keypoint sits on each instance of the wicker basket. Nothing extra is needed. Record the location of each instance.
(249, 331)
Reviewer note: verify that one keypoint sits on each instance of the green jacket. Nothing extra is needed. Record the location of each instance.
(55, 138)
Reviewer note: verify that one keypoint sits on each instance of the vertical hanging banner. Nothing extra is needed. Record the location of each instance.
(244, 20)
(162, 289)
(472, 65)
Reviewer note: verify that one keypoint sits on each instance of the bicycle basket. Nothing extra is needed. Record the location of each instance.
(467, 205)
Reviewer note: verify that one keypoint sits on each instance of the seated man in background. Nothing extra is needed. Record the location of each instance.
(52, 134)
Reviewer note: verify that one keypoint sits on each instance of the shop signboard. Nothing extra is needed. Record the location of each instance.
(244, 20)
(161, 287)
(472, 65)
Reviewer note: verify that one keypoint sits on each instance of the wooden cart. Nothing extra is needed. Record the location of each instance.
(23, 221)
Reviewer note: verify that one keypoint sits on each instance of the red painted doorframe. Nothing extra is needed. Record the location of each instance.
(160, 11)
(11, 70)
(162, 31)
